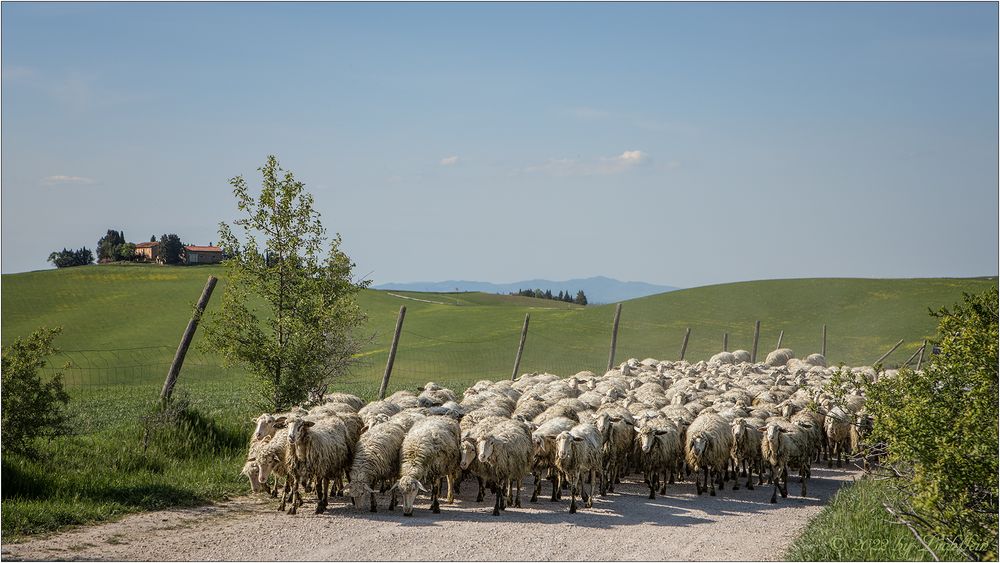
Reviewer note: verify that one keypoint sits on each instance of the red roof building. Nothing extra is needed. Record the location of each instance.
(194, 254)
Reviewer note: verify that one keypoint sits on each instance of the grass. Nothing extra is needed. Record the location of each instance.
(139, 312)
(856, 527)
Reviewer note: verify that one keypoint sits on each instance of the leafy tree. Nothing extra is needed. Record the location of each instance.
(108, 246)
(31, 408)
(548, 294)
(152, 238)
(67, 258)
(304, 335)
(171, 249)
(581, 298)
(940, 428)
(125, 252)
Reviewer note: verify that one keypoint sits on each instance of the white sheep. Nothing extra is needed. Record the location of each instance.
(660, 450)
(578, 451)
(504, 450)
(429, 452)
(317, 450)
(708, 446)
(376, 460)
(617, 429)
(837, 426)
(745, 452)
(543, 441)
(779, 357)
(786, 444)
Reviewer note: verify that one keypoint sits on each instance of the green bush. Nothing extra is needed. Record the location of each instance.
(32, 408)
(939, 427)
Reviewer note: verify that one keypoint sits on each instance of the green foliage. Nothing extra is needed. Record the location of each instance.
(171, 249)
(940, 428)
(305, 335)
(68, 258)
(856, 527)
(32, 408)
(581, 298)
(125, 252)
(108, 246)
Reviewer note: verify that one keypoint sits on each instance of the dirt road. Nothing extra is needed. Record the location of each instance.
(737, 525)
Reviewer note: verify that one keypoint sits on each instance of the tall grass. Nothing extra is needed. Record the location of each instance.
(856, 527)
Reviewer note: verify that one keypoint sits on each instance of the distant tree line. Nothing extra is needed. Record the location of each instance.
(580, 299)
(112, 247)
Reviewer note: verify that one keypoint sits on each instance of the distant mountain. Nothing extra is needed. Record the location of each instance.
(598, 289)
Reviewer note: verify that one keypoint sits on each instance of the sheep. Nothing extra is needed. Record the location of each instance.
(779, 357)
(528, 410)
(372, 410)
(577, 451)
(504, 450)
(429, 452)
(786, 444)
(837, 426)
(436, 397)
(270, 458)
(556, 411)
(745, 451)
(660, 446)
(267, 424)
(544, 447)
(816, 360)
(346, 399)
(616, 427)
(404, 399)
(317, 450)
(251, 470)
(376, 460)
(722, 358)
(741, 356)
(814, 423)
(708, 446)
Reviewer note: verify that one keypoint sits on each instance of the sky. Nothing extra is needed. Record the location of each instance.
(679, 144)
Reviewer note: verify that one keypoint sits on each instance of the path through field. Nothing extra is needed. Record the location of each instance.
(735, 525)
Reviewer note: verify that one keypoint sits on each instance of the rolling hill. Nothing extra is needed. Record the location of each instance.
(598, 289)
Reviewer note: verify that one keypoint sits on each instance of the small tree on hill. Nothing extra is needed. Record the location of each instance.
(152, 238)
(581, 298)
(305, 333)
(108, 245)
(67, 258)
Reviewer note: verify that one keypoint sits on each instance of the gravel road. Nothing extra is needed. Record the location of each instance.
(735, 525)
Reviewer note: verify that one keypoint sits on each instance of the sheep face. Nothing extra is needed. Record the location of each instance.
(297, 428)
(264, 469)
(266, 425)
(408, 489)
(699, 444)
(739, 428)
(468, 450)
(485, 449)
(646, 438)
(357, 491)
(564, 445)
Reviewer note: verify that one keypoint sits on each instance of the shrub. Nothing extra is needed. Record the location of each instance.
(939, 426)
(32, 408)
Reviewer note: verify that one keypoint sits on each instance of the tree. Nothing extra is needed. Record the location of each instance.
(125, 252)
(108, 246)
(171, 249)
(152, 238)
(31, 408)
(305, 333)
(581, 298)
(939, 427)
(67, 258)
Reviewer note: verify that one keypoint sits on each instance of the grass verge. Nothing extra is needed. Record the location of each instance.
(856, 527)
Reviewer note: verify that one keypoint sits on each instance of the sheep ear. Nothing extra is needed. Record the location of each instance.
(308, 423)
(280, 422)
(577, 439)
(762, 428)
(660, 432)
(421, 487)
(783, 431)
(393, 487)
(251, 458)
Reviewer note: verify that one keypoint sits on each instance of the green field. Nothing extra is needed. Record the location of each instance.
(121, 325)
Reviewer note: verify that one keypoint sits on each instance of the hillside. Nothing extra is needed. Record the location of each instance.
(599, 289)
(461, 337)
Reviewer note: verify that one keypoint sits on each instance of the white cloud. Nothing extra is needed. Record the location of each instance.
(588, 167)
(61, 180)
(449, 161)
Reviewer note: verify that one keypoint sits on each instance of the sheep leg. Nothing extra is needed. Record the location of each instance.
(435, 491)
(804, 473)
(482, 486)
(749, 475)
(784, 478)
(393, 500)
(537, 488)
(590, 499)
(651, 479)
(721, 479)
(517, 497)
(502, 492)
(572, 503)
(774, 479)
(663, 482)
(451, 491)
(697, 482)
(711, 482)
(738, 471)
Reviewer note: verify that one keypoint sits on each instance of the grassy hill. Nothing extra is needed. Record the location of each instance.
(121, 325)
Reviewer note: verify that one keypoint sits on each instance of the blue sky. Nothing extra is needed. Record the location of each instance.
(681, 144)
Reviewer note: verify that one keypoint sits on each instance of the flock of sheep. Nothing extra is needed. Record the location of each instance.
(718, 420)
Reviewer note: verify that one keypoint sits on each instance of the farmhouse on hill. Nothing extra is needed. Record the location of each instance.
(202, 254)
(147, 251)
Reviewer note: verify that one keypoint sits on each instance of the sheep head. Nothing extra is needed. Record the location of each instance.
(408, 489)
(468, 450)
(266, 425)
(699, 444)
(485, 448)
(297, 428)
(564, 444)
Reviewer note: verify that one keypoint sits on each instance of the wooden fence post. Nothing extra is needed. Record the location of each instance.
(920, 360)
(392, 353)
(684, 347)
(756, 338)
(912, 356)
(725, 341)
(824, 341)
(614, 336)
(886, 355)
(182, 348)
(780, 336)
(520, 347)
